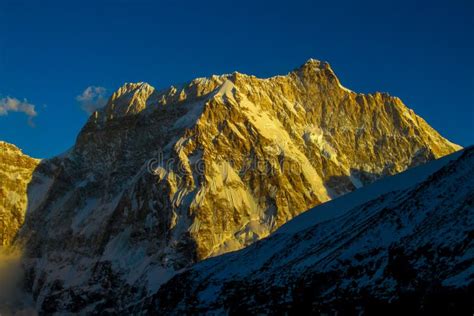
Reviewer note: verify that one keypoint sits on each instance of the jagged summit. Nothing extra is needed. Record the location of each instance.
(133, 98)
(312, 60)
(315, 63)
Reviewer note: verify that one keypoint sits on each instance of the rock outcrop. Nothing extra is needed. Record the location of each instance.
(16, 170)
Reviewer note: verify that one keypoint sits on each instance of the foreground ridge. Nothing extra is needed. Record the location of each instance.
(408, 250)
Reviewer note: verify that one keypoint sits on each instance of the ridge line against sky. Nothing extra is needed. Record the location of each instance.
(59, 61)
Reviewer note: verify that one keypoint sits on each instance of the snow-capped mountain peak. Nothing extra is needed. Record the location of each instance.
(129, 99)
(159, 180)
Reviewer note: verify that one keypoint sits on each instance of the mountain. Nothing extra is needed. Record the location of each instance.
(402, 244)
(16, 170)
(159, 180)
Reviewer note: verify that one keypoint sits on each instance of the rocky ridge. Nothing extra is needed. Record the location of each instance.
(16, 170)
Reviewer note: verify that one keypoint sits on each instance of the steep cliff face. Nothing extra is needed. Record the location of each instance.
(158, 180)
(16, 170)
(401, 245)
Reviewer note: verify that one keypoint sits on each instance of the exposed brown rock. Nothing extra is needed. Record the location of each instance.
(16, 170)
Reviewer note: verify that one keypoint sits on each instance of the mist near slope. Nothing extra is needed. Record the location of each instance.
(13, 299)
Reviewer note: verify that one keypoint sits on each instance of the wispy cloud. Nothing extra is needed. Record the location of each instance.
(92, 99)
(10, 104)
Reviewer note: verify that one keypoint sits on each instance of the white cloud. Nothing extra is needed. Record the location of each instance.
(10, 104)
(92, 99)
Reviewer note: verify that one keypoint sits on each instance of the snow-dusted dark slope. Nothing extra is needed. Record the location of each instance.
(408, 245)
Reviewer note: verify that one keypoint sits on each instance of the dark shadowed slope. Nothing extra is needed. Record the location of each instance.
(409, 249)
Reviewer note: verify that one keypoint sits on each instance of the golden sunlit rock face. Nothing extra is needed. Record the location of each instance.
(158, 180)
(249, 154)
(16, 170)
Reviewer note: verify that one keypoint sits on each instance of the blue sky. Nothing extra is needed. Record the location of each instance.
(50, 52)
